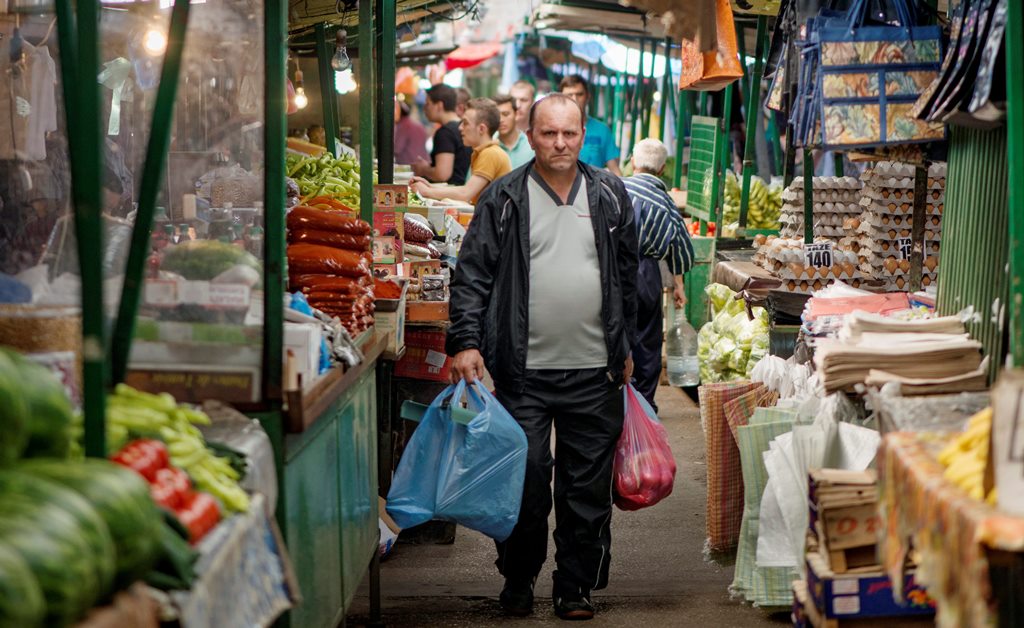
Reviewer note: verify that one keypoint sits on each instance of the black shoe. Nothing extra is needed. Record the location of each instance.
(573, 605)
(516, 597)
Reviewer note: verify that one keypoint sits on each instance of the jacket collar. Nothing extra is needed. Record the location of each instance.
(652, 179)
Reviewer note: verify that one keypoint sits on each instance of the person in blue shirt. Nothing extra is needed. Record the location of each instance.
(599, 149)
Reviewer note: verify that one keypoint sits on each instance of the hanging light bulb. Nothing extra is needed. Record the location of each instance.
(301, 100)
(154, 41)
(344, 82)
(340, 61)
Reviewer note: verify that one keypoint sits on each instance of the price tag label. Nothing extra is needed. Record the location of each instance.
(905, 246)
(818, 255)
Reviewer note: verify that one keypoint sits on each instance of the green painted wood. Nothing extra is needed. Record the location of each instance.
(724, 154)
(328, 97)
(80, 57)
(705, 135)
(1015, 132)
(275, 51)
(752, 111)
(357, 435)
(385, 53)
(666, 89)
(697, 278)
(681, 119)
(152, 182)
(808, 196)
(367, 132)
(975, 240)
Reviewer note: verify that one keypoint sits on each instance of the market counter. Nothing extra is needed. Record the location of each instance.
(963, 543)
(330, 489)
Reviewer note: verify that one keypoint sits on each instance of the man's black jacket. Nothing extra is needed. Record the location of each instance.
(490, 292)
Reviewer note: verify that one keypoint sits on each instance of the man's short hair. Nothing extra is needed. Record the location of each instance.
(486, 113)
(505, 99)
(572, 81)
(556, 97)
(463, 96)
(443, 94)
(650, 155)
(527, 84)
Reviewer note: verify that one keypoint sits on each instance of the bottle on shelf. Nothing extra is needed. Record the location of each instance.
(681, 350)
(254, 244)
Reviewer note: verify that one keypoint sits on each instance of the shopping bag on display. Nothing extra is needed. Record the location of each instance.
(467, 471)
(645, 469)
(713, 70)
(871, 75)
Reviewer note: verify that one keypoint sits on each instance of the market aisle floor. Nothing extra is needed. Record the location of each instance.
(659, 576)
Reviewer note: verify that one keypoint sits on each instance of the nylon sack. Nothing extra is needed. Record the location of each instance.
(644, 468)
(468, 472)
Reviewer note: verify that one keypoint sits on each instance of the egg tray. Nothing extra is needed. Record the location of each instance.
(903, 283)
(793, 197)
(827, 183)
(830, 220)
(891, 233)
(887, 195)
(938, 169)
(884, 222)
(825, 207)
(904, 208)
(900, 183)
(805, 287)
(903, 270)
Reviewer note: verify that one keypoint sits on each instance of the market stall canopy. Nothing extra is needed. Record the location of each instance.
(595, 16)
(469, 55)
(304, 15)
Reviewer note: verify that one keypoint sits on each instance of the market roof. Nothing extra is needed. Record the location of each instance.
(596, 16)
(303, 15)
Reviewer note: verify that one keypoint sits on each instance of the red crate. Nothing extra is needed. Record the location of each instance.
(424, 356)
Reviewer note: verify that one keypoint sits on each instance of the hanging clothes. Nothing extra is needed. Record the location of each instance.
(15, 104)
(42, 97)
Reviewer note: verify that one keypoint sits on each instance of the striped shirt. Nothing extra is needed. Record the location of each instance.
(662, 233)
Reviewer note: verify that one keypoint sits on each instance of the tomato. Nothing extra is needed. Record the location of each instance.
(174, 485)
(144, 456)
(157, 449)
(164, 495)
(200, 514)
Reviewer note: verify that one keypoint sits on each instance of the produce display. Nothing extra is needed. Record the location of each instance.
(204, 260)
(966, 455)
(730, 344)
(786, 259)
(337, 177)
(419, 238)
(329, 261)
(765, 206)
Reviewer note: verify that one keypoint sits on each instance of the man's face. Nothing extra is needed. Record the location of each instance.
(433, 110)
(557, 135)
(577, 93)
(524, 100)
(507, 123)
(473, 133)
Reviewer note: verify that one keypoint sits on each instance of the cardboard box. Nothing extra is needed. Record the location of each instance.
(862, 595)
(424, 356)
(390, 319)
(304, 341)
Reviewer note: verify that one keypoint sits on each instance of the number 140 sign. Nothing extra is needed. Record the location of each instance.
(818, 254)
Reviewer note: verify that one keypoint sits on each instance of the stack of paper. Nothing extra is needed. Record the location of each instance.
(927, 355)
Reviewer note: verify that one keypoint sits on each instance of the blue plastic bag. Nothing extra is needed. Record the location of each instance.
(470, 474)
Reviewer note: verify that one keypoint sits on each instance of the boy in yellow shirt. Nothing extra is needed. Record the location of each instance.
(488, 163)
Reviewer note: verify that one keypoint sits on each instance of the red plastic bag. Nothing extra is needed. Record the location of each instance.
(645, 469)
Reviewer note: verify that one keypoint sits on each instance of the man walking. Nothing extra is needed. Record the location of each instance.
(544, 295)
(663, 237)
(489, 162)
(449, 158)
(509, 137)
(599, 149)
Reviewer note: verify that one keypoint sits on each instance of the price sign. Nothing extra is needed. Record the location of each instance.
(905, 246)
(818, 254)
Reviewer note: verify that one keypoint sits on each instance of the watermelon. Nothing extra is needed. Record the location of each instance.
(13, 412)
(49, 410)
(21, 599)
(62, 538)
(122, 499)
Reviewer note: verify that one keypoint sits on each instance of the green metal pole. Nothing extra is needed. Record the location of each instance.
(752, 111)
(80, 56)
(702, 106)
(1015, 150)
(275, 37)
(683, 112)
(666, 85)
(636, 100)
(618, 104)
(366, 106)
(327, 94)
(808, 196)
(386, 44)
(149, 188)
(741, 40)
(724, 154)
(649, 87)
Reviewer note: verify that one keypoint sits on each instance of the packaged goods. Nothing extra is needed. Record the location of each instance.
(331, 238)
(318, 259)
(303, 217)
(731, 344)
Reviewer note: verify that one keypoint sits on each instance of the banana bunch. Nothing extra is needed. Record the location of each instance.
(966, 455)
(765, 202)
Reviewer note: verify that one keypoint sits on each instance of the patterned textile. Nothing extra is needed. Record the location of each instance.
(245, 576)
(764, 586)
(725, 477)
(949, 530)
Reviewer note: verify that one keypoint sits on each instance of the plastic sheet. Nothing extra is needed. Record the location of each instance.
(470, 474)
(335, 239)
(314, 258)
(303, 217)
(645, 469)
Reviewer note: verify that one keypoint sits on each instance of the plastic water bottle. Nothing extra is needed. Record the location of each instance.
(681, 348)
